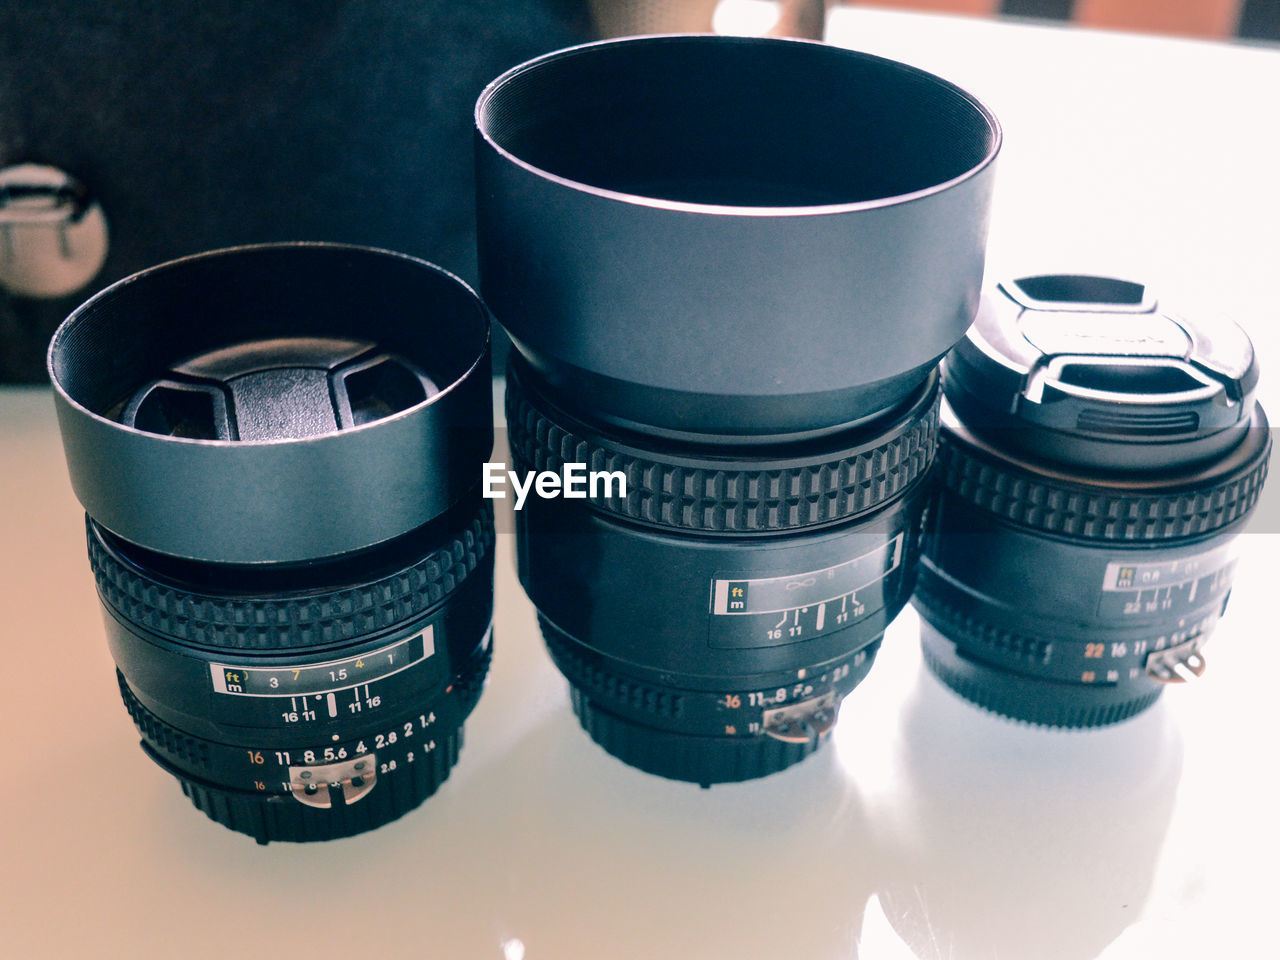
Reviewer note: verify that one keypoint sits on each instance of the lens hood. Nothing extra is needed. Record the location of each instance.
(728, 235)
(274, 403)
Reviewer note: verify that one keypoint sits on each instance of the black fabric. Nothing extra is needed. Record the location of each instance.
(1047, 9)
(201, 125)
(1260, 20)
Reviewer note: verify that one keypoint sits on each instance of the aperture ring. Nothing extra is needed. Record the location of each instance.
(188, 750)
(1070, 706)
(288, 622)
(738, 496)
(607, 686)
(268, 818)
(954, 621)
(692, 758)
(200, 766)
(1060, 507)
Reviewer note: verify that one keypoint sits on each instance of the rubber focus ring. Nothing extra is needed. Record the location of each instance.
(1080, 511)
(701, 493)
(287, 622)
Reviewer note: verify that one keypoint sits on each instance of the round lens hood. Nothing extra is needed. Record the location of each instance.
(727, 235)
(274, 403)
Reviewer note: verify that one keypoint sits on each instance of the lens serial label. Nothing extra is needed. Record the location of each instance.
(327, 677)
(768, 611)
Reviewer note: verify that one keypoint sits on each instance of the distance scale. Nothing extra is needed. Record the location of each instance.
(1134, 590)
(323, 691)
(772, 611)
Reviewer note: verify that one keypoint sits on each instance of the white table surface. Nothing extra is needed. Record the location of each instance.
(926, 828)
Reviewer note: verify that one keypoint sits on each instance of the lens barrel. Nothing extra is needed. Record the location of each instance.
(729, 267)
(711, 620)
(1098, 456)
(278, 449)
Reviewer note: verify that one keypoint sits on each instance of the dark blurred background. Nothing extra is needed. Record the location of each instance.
(136, 131)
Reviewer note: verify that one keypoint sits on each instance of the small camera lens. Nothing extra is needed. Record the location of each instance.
(278, 449)
(1098, 456)
(729, 267)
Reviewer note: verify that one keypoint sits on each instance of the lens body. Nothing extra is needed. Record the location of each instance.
(1098, 456)
(278, 451)
(711, 621)
(707, 251)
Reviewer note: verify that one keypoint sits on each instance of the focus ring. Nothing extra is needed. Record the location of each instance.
(286, 622)
(714, 496)
(1059, 507)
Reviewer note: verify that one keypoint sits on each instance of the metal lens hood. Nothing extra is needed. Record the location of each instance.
(727, 235)
(274, 403)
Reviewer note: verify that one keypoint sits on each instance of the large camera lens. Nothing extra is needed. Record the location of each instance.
(278, 449)
(729, 267)
(1098, 456)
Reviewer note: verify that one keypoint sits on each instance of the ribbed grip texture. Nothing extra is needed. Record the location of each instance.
(284, 818)
(955, 622)
(301, 620)
(170, 740)
(604, 685)
(1029, 700)
(692, 758)
(706, 494)
(1040, 503)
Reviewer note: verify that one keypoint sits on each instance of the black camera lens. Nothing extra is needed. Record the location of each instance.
(729, 267)
(1098, 456)
(278, 449)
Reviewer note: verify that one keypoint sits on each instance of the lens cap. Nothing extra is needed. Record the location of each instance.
(1094, 371)
(274, 403)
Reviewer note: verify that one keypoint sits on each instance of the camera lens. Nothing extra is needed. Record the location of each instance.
(729, 267)
(1098, 456)
(278, 450)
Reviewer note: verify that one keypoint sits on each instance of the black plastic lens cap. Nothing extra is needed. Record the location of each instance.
(1094, 371)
